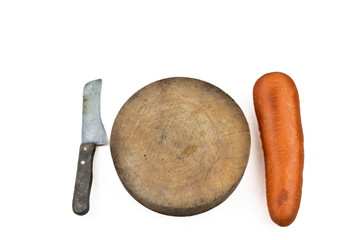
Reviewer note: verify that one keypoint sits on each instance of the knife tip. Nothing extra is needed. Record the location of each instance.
(93, 83)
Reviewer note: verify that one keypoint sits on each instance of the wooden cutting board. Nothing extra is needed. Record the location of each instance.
(180, 146)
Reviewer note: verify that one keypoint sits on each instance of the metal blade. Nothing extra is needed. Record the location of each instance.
(92, 127)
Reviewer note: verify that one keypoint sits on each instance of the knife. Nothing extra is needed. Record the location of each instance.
(93, 134)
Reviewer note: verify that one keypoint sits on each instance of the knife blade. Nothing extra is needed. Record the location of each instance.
(93, 134)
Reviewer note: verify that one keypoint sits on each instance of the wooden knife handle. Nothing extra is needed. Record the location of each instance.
(83, 181)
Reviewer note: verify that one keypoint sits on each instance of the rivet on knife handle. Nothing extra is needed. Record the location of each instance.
(93, 134)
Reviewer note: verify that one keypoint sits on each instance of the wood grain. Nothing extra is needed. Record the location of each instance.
(180, 146)
(84, 176)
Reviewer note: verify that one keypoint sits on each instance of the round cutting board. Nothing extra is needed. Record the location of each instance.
(180, 146)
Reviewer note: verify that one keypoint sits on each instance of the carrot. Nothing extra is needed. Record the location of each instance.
(277, 108)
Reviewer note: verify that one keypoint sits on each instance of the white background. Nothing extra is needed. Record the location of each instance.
(48, 51)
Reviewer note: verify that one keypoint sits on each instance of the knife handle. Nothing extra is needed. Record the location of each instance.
(83, 181)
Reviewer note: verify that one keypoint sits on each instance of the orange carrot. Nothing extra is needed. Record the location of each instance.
(277, 110)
